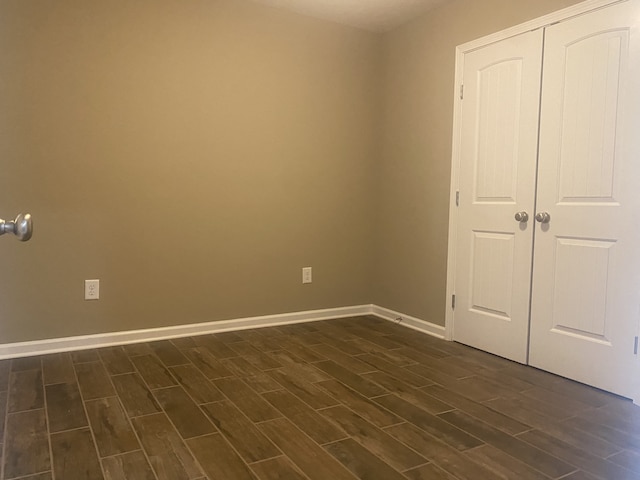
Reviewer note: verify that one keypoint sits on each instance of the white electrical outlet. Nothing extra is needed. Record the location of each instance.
(307, 275)
(91, 289)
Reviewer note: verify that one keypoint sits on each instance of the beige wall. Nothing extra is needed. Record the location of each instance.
(414, 170)
(195, 154)
(192, 154)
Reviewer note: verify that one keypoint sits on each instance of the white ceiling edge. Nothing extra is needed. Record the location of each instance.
(372, 15)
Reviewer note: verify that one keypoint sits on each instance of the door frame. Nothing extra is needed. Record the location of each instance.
(461, 50)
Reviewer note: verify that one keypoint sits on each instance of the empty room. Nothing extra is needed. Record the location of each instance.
(319, 240)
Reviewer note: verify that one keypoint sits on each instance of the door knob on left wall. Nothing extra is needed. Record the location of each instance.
(21, 227)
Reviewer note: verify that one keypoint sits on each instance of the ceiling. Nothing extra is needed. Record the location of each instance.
(374, 15)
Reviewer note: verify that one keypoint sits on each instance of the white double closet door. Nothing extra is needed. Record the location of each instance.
(550, 128)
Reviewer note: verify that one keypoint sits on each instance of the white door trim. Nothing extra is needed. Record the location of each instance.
(461, 50)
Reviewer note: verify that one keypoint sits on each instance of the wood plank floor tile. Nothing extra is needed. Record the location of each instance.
(128, 466)
(26, 363)
(517, 409)
(111, 427)
(168, 454)
(64, 407)
(218, 459)
(3, 411)
(340, 344)
(592, 396)
(513, 383)
(85, 356)
(39, 476)
(264, 343)
(361, 462)
(25, 391)
(478, 393)
(549, 411)
(184, 343)
(427, 348)
(262, 383)
(27, 449)
(485, 389)
(307, 354)
(329, 352)
(446, 365)
(478, 410)
(504, 466)
(580, 475)
(413, 395)
(93, 380)
(196, 384)
(168, 353)
(253, 405)
(134, 395)
(5, 370)
(624, 422)
(304, 452)
(58, 368)
(115, 360)
(574, 456)
(228, 337)
(304, 417)
(254, 356)
(298, 368)
(153, 371)
(429, 471)
(183, 412)
(617, 437)
(444, 456)
(486, 359)
(74, 456)
(580, 439)
(395, 371)
(374, 439)
(279, 403)
(305, 391)
(364, 333)
(624, 408)
(350, 379)
(371, 411)
(249, 442)
(628, 460)
(240, 367)
(215, 346)
(135, 349)
(207, 363)
(456, 437)
(525, 452)
(279, 468)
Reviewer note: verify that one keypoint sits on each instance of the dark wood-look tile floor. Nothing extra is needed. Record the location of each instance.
(342, 399)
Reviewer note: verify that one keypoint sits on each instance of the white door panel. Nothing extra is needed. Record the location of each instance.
(497, 180)
(586, 278)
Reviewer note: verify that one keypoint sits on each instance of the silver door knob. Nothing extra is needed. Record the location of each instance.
(21, 227)
(522, 217)
(543, 217)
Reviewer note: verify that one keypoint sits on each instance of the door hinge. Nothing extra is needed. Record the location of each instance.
(458, 198)
(453, 302)
(462, 92)
(635, 346)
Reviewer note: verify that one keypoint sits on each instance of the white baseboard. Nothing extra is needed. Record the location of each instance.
(408, 321)
(83, 342)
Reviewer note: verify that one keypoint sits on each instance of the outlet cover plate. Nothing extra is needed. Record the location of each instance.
(92, 289)
(307, 275)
